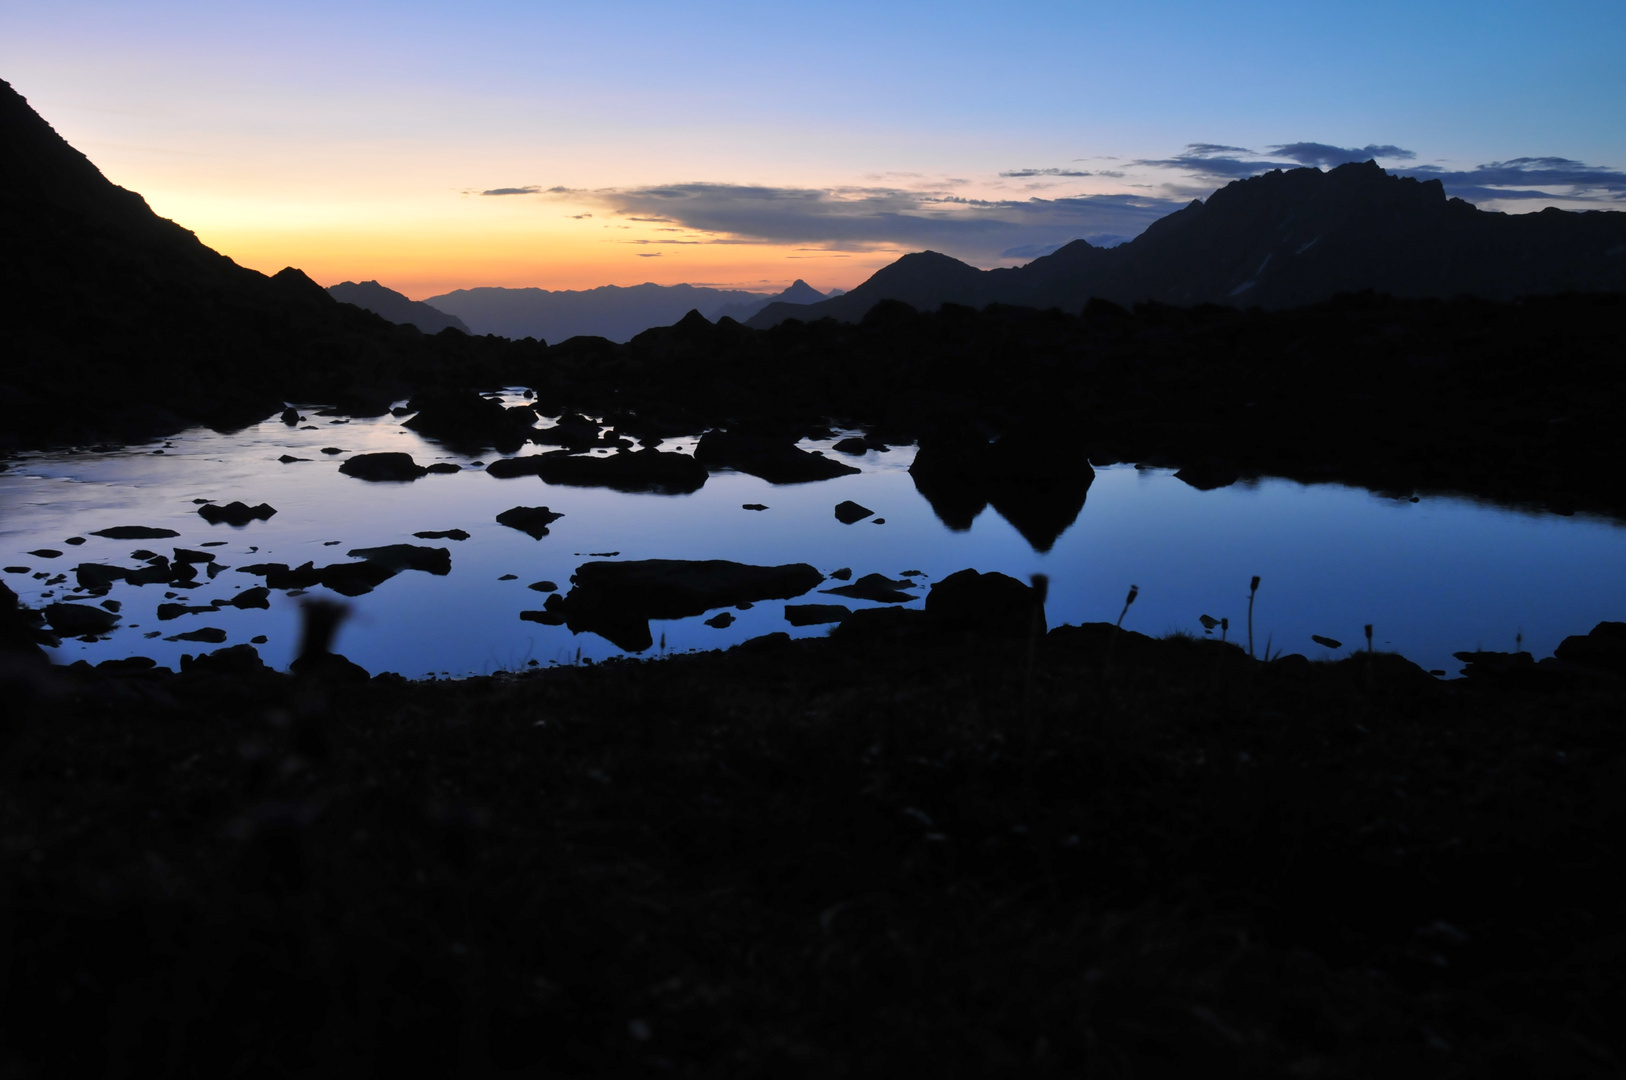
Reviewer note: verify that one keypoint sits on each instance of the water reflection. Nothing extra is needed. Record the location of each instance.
(1433, 577)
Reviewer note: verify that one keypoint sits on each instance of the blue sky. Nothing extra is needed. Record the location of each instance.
(748, 144)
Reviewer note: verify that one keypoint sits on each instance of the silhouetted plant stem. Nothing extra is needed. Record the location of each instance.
(1252, 590)
(1117, 628)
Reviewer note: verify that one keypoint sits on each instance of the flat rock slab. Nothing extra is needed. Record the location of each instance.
(431, 560)
(137, 532)
(815, 614)
(234, 513)
(876, 587)
(616, 600)
(383, 468)
(848, 512)
(533, 520)
(442, 534)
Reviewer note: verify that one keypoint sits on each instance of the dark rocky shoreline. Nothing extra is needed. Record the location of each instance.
(899, 847)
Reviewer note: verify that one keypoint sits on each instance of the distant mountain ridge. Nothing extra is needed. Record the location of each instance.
(1280, 240)
(394, 306)
(616, 312)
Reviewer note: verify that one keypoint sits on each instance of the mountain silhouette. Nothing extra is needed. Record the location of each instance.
(616, 312)
(1279, 240)
(800, 292)
(394, 306)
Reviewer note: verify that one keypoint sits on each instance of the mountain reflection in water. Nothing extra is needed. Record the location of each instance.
(1434, 577)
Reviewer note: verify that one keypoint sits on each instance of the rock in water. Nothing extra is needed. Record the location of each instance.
(628, 470)
(848, 512)
(722, 620)
(876, 587)
(77, 620)
(814, 614)
(390, 467)
(431, 560)
(533, 520)
(234, 513)
(776, 460)
(137, 532)
(617, 600)
(992, 604)
(442, 534)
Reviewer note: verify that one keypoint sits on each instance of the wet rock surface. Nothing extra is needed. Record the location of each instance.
(430, 560)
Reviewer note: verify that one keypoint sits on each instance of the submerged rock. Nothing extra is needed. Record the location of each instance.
(533, 520)
(391, 467)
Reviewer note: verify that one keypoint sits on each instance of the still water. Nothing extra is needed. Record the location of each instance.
(1433, 577)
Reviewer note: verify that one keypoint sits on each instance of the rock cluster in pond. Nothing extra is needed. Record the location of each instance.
(776, 459)
(532, 520)
(376, 566)
(383, 467)
(234, 513)
(878, 588)
(617, 600)
(1035, 477)
(465, 420)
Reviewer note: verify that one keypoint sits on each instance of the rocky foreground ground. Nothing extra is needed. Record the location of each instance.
(915, 847)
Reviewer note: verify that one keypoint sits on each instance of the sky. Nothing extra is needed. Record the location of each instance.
(434, 146)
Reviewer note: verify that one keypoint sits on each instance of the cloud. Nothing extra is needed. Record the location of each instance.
(578, 217)
(1530, 178)
(876, 218)
(649, 254)
(531, 190)
(1045, 172)
(1321, 154)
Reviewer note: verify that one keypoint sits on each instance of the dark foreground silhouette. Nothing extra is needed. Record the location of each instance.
(942, 842)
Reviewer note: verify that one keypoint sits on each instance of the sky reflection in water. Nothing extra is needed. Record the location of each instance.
(1433, 577)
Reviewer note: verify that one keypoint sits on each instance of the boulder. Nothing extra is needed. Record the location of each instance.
(443, 468)
(388, 467)
(532, 520)
(234, 513)
(46, 553)
(136, 532)
(291, 417)
(184, 555)
(989, 604)
(616, 600)
(509, 468)
(851, 445)
(236, 662)
(777, 460)
(543, 586)
(1603, 649)
(722, 620)
(167, 612)
(78, 620)
(289, 459)
(815, 614)
(98, 575)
